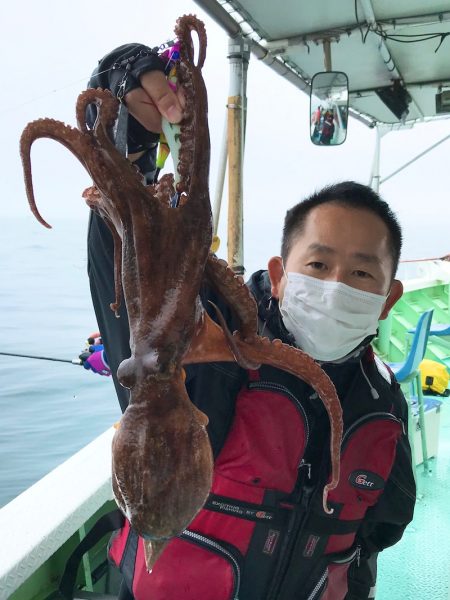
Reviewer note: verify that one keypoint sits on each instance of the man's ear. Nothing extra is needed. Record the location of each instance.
(394, 295)
(276, 272)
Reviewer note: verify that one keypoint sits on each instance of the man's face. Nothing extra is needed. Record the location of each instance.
(341, 244)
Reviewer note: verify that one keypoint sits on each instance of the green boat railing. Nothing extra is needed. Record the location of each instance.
(420, 294)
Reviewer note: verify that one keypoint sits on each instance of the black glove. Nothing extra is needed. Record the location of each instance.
(119, 71)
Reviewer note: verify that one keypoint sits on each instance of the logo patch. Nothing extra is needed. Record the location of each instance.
(271, 541)
(366, 480)
(311, 544)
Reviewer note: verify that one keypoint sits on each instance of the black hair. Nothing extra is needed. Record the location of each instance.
(346, 193)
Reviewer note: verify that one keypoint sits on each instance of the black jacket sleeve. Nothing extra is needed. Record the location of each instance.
(384, 523)
(119, 71)
(109, 74)
(115, 331)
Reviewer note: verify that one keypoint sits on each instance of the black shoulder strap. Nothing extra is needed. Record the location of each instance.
(107, 523)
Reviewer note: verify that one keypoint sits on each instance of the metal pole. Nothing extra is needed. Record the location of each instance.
(220, 178)
(374, 182)
(238, 55)
(327, 55)
(415, 158)
(384, 337)
(423, 431)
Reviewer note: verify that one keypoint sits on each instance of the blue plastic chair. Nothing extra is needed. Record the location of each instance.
(440, 330)
(408, 372)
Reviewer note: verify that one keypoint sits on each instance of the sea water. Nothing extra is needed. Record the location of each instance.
(48, 410)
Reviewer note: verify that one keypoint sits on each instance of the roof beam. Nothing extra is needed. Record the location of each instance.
(382, 47)
(220, 16)
(428, 19)
(280, 46)
(334, 34)
(232, 28)
(445, 82)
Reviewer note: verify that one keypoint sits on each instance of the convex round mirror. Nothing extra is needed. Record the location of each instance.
(329, 108)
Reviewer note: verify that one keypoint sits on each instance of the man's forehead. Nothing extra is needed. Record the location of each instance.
(332, 226)
(339, 206)
(335, 217)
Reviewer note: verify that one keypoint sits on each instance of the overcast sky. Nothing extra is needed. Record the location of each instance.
(49, 49)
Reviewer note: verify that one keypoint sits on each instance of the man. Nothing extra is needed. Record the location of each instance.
(327, 130)
(263, 533)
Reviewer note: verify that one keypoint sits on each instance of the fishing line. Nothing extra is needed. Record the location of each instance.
(65, 87)
(160, 48)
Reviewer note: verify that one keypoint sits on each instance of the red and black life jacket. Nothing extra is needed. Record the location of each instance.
(263, 533)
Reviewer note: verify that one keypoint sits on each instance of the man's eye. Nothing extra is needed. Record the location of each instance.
(363, 274)
(317, 266)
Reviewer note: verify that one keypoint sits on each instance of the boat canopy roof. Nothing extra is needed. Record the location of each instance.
(396, 54)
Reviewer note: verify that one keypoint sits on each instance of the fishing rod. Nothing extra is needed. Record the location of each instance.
(74, 361)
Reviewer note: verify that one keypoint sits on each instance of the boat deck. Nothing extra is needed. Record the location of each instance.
(418, 567)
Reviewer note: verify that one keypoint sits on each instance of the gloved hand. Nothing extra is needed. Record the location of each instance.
(94, 339)
(136, 73)
(94, 359)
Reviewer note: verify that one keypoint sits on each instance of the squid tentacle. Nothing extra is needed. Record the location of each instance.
(239, 357)
(232, 288)
(69, 137)
(117, 268)
(107, 109)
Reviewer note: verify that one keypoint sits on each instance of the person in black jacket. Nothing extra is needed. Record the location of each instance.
(334, 279)
(136, 72)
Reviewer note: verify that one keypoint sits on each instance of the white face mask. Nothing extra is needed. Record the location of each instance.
(328, 319)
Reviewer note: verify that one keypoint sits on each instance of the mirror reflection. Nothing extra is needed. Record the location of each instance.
(329, 108)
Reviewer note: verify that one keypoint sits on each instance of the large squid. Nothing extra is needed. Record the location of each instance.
(161, 458)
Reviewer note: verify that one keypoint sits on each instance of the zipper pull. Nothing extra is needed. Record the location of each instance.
(358, 555)
(305, 464)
